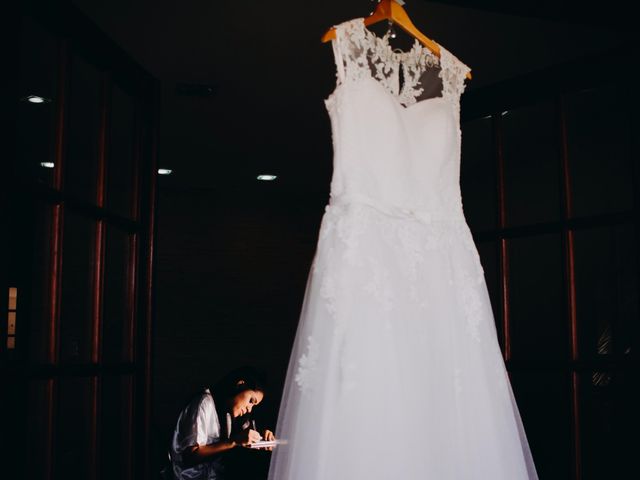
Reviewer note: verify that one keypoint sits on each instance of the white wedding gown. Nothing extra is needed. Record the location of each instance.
(396, 372)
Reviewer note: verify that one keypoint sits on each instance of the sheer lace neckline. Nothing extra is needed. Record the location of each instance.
(361, 54)
(367, 55)
(413, 55)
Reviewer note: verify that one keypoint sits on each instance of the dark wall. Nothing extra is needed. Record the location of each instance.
(231, 273)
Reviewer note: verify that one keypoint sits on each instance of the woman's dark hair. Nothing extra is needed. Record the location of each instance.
(228, 387)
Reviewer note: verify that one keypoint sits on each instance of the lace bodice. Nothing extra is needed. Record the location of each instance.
(360, 54)
(396, 142)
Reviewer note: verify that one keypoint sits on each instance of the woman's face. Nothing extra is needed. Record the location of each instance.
(243, 402)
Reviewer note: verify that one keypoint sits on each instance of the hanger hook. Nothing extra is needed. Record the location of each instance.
(391, 33)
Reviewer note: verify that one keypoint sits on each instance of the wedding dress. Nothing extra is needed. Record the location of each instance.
(396, 372)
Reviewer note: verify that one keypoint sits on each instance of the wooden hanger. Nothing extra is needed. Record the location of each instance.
(391, 10)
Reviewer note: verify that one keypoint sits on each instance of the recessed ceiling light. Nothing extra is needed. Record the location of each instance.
(47, 164)
(36, 99)
(164, 171)
(267, 178)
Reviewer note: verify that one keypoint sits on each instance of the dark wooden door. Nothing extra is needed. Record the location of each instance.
(75, 343)
(550, 189)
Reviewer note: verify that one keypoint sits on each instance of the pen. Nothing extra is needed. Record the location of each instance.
(253, 427)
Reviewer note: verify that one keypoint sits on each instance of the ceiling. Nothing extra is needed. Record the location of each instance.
(270, 73)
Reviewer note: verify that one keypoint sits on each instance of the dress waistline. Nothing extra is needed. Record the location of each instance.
(395, 211)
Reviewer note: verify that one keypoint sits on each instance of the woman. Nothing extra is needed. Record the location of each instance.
(215, 422)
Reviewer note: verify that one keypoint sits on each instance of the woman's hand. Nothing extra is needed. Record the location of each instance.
(246, 437)
(268, 436)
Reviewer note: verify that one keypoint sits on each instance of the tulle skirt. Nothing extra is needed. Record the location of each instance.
(396, 372)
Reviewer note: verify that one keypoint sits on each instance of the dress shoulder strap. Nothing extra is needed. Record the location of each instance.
(350, 49)
(453, 74)
(336, 43)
